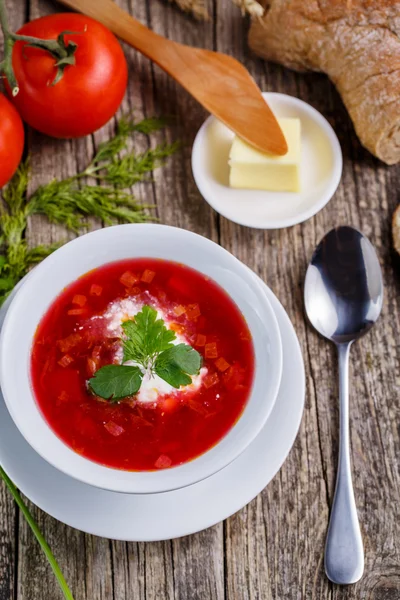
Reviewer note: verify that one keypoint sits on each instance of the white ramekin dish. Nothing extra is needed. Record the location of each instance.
(89, 251)
(320, 170)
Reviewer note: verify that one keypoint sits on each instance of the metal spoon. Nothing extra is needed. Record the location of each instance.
(343, 299)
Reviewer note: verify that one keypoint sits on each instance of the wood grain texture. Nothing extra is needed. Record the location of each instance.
(273, 548)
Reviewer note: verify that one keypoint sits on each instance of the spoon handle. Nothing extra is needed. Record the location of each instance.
(344, 553)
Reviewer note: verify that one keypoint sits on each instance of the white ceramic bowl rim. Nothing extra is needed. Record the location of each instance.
(116, 243)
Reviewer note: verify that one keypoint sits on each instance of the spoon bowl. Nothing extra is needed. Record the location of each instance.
(343, 297)
(343, 287)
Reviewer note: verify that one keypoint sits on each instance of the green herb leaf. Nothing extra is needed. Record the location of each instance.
(147, 343)
(114, 382)
(177, 363)
(131, 168)
(70, 201)
(14, 193)
(146, 336)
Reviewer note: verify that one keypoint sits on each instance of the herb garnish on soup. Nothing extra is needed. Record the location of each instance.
(142, 364)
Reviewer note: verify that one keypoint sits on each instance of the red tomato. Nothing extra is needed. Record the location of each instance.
(11, 140)
(89, 92)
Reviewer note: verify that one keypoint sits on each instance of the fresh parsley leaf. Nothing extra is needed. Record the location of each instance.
(148, 343)
(146, 336)
(114, 382)
(172, 374)
(175, 364)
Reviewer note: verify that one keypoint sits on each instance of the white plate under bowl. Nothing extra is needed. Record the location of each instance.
(142, 517)
(321, 170)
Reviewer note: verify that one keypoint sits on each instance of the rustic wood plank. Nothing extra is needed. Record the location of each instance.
(129, 570)
(8, 544)
(272, 549)
(199, 565)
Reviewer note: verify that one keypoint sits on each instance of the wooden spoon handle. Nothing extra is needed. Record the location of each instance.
(219, 82)
(154, 46)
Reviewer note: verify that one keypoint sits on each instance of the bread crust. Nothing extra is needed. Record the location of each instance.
(357, 44)
(396, 229)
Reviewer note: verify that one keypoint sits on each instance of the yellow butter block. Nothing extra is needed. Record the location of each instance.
(254, 170)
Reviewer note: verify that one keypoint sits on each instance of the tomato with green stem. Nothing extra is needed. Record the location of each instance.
(11, 140)
(75, 89)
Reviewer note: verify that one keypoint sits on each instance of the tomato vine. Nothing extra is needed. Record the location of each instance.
(63, 52)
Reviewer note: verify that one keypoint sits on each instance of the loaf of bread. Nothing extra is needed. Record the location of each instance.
(356, 44)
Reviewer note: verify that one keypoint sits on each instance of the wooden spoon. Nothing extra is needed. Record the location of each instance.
(219, 82)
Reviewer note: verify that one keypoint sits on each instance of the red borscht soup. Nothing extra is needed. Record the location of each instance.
(142, 364)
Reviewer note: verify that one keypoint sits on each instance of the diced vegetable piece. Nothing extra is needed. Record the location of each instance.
(128, 279)
(140, 421)
(177, 327)
(48, 366)
(130, 401)
(193, 311)
(91, 366)
(169, 403)
(148, 276)
(245, 336)
(78, 448)
(211, 350)
(222, 364)
(163, 462)
(69, 342)
(79, 300)
(96, 353)
(95, 290)
(65, 361)
(135, 291)
(75, 312)
(211, 379)
(114, 429)
(200, 340)
(179, 310)
(234, 377)
(62, 398)
(197, 406)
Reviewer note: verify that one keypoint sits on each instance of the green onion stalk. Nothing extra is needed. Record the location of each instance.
(39, 536)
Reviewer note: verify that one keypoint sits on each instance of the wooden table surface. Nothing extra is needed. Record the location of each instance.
(273, 548)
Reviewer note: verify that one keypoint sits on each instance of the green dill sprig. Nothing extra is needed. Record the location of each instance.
(65, 203)
(133, 168)
(69, 201)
